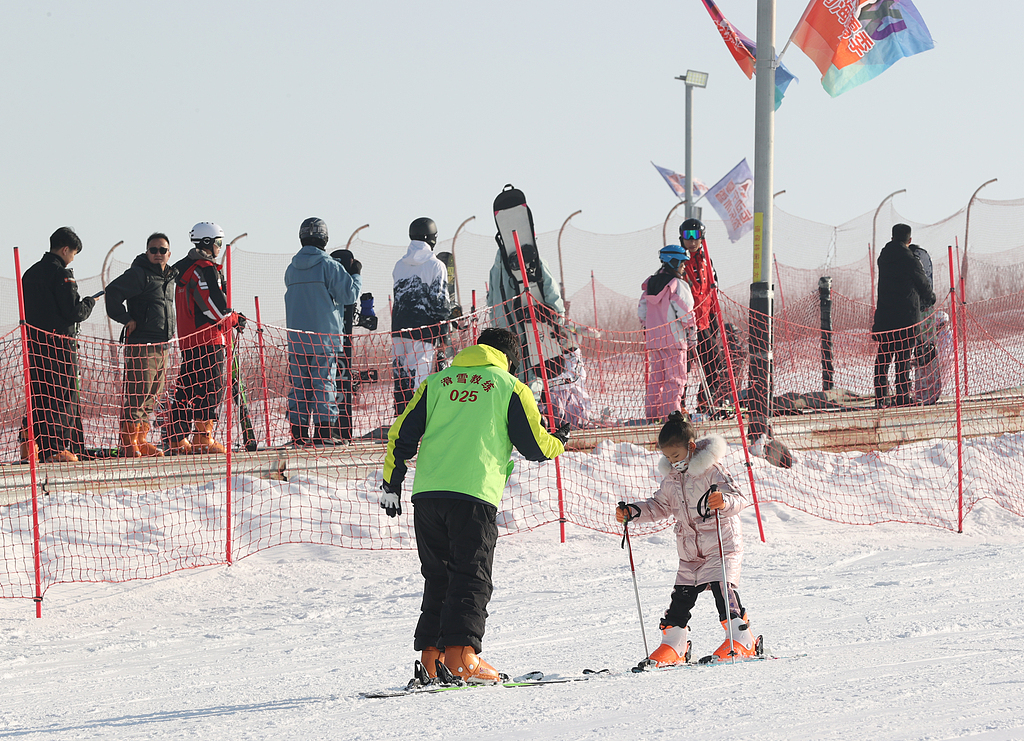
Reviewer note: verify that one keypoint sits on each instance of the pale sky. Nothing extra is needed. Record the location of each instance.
(124, 118)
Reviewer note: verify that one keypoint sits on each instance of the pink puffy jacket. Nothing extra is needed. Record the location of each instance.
(668, 316)
(696, 538)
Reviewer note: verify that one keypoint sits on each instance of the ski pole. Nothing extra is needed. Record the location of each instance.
(632, 568)
(725, 581)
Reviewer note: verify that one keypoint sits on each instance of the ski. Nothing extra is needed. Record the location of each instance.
(418, 685)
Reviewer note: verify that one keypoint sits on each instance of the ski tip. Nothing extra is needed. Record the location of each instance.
(643, 666)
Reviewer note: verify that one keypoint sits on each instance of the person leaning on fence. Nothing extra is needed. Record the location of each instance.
(204, 325)
(147, 288)
(53, 311)
(903, 286)
(702, 281)
(419, 316)
(317, 290)
(465, 421)
(666, 313)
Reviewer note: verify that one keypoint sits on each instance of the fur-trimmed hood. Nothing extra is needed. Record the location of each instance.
(710, 450)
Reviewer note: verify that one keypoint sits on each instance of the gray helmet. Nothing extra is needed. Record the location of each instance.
(425, 230)
(313, 231)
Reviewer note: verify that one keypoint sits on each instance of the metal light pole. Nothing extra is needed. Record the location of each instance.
(103, 285)
(664, 226)
(455, 269)
(762, 289)
(692, 79)
(561, 272)
(364, 226)
(874, 221)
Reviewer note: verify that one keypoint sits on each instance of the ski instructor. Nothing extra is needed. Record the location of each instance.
(465, 420)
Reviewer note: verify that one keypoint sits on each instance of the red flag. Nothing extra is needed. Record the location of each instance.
(739, 45)
(831, 35)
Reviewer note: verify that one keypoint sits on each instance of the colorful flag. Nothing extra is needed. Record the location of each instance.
(896, 30)
(744, 51)
(677, 183)
(741, 48)
(733, 198)
(830, 33)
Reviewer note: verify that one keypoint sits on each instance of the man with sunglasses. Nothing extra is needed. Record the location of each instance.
(465, 421)
(53, 311)
(147, 288)
(204, 325)
(702, 280)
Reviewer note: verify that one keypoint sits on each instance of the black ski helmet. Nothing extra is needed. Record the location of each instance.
(313, 231)
(691, 224)
(424, 230)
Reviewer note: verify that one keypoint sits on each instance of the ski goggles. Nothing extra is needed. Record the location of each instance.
(690, 234)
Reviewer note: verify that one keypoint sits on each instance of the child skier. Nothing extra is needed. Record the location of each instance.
(694, 486)
(666, 313)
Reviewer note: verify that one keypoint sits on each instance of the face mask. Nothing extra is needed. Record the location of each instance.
(681, 466)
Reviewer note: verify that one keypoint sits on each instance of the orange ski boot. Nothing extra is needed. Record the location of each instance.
(463, 662)
(674, 648)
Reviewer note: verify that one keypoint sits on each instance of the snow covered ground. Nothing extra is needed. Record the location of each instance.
(893, 632)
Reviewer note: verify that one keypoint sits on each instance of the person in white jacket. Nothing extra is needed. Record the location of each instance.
(694, 486)
(666, 314)
(420, 312)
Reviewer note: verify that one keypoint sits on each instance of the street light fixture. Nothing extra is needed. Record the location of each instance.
(691, 79)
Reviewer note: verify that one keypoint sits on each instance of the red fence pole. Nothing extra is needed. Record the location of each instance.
(37, 563)
(593, 292)
(228, 408)
(963, 303)
(717, 307)
(263, 370)
(543, 378)
(959, 409)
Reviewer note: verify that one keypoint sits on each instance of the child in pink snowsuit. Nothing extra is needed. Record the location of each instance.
(666, 313)
(694, 487)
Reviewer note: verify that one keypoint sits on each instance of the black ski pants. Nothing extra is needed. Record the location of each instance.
(53, 375)
(198, 390)
(685, 597)
(709, 355)
(455, 539)
(894, 348)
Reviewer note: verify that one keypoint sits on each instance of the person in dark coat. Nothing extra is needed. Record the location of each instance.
(903, 287)
(147, 288)
(53, 311)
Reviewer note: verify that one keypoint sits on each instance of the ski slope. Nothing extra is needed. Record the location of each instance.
(897, 632)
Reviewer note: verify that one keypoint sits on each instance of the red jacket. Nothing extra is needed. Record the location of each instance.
(203, 315)
(702, 282)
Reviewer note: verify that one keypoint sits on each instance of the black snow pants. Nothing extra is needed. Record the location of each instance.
(455, 539)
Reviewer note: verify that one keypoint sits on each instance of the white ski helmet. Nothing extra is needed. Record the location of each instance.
(206, 234)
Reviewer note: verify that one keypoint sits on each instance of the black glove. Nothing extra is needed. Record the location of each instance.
(240, 321)
(391, 499)
(355, 268)
(562, 434)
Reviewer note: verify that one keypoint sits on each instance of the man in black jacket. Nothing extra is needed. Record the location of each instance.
(53, 311)
(903, 286)
(148, 289)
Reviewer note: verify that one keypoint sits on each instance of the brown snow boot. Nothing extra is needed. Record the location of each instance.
(127, 446)
(145, 447)
(202, 438)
